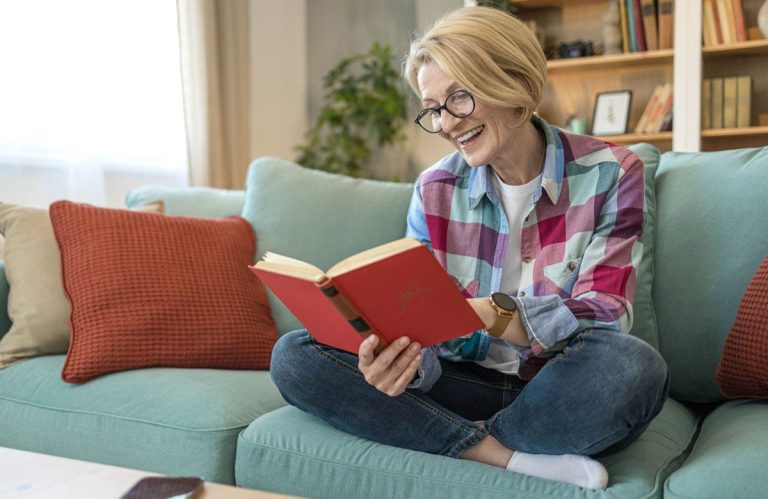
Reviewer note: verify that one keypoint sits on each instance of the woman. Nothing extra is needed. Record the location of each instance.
(541, 229)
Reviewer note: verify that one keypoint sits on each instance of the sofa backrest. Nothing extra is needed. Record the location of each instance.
(319, 217)
(711, 235)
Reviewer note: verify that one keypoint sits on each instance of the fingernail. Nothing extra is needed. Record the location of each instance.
(403, 341)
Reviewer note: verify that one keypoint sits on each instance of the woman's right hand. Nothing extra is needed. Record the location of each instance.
(392, 369)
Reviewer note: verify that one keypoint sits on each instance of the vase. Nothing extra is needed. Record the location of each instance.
(762, 19)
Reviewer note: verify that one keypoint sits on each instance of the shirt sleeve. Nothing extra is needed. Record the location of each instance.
(603, 292)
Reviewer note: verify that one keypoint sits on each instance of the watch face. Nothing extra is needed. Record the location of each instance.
(504, 301)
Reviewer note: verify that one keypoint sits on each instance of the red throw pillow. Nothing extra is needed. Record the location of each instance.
(743, 368)
(154, 290)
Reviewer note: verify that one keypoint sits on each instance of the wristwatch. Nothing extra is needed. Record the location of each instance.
(505, 309)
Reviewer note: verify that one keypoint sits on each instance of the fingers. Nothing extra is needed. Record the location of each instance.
(391, 370)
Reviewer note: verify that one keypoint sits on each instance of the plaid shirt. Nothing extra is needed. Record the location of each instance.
(579, 244)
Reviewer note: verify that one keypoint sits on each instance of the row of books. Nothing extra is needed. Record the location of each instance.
(723, 22)
(657, 115)
(726, 102)
(646, 24)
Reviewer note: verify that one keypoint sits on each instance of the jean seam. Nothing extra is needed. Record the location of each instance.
(471, 429)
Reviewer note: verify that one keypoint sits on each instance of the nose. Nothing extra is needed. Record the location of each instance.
(448, 121)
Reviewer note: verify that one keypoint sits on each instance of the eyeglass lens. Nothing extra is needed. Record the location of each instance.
(460, 104)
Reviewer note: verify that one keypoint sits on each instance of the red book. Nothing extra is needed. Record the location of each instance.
(741, 25)
(393, 290)
(639, 29)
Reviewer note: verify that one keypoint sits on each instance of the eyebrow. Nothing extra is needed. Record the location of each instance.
(451, 89)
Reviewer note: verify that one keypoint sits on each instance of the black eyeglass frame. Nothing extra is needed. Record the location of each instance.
(439, 110)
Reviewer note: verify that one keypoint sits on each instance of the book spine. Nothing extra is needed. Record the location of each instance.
(708, 24)
(649, 24)
(639, 30)
(729, 102)
(722, 20)
(649, 106)
(706, 104)
(349, 312)
(627, 48)
(741, 25)
(719, 40)
(631, 26)
(744, 107)
(666, 23)
(716, 111)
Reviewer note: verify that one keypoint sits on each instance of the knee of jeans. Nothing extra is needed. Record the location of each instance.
(644, 365)
(286, 355)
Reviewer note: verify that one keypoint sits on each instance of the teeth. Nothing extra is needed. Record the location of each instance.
(470, 134)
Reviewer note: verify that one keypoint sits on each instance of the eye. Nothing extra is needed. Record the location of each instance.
(459, 97)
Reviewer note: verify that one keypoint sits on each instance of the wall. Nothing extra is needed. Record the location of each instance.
(340, 28)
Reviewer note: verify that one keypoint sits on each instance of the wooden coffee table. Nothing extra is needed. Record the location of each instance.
(27, 475)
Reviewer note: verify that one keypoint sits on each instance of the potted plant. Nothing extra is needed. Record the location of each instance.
(364, 110)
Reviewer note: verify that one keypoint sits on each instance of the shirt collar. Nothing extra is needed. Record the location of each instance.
(480, 179)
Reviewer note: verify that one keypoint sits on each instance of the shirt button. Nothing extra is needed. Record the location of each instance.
(572, 266)
(527, 259)
(521, 293)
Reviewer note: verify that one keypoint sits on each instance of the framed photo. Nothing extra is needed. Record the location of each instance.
(611, 116)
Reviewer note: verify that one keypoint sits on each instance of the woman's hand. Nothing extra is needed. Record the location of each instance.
(393, 368)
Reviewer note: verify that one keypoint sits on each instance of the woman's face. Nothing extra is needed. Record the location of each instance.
(484, 137)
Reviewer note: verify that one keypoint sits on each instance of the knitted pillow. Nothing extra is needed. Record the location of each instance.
(152, 290)
(743, 368)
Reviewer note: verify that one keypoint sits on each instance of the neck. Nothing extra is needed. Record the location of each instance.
(525, 159)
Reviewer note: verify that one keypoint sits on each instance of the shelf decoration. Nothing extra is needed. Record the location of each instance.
(611, 115)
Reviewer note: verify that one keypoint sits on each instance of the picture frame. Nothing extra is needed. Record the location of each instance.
(611, 113)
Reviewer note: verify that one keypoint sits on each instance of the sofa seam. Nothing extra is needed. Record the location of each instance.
(121, 418)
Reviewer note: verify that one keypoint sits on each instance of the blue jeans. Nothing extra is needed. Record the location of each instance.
(602, 391)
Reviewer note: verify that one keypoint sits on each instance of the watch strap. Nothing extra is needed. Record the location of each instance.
(499, 325)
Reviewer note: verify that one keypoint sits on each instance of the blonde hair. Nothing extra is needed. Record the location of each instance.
(491, 53)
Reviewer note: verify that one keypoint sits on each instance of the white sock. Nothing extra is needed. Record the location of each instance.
(569, 468)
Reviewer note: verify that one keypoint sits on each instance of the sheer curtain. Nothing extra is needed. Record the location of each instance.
(90, 100)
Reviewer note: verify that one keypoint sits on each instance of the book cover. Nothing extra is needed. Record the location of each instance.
(649, 24)
(729, 15)
(666, 23)
(744, 101)
(716, 109)
(652, 101)
(397, 289)
(729, 102)
(656, 114)
(706, 103)
(718, 39)
(741, 24)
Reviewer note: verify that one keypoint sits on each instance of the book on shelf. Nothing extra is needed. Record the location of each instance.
(722, 20)
(631, 25)
(740, 21)
(744, 101)
(657, 111)
(729, 102)
(708, 24)
(625, 45)
(649, 106)
(393, 290)
(666, 10)
(637, 17)
(716, 103)
(649, 24)
(706, 98)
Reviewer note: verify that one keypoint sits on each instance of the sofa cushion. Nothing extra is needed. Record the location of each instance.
(711, 236)
(742, 371)
(37, 305)
(644, 320)
(206, 202)
(171, 421)
(728, 459)
(319, 217)
(316, 460)
(152, 290)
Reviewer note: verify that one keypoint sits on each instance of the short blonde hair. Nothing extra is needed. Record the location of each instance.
(491, 53)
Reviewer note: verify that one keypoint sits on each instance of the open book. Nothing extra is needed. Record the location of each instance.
(393, 290)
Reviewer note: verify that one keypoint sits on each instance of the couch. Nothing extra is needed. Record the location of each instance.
(705, 235)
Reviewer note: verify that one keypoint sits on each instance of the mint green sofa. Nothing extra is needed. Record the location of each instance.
(705, 236)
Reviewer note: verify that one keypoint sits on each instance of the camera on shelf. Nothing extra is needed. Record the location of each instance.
(578, 48)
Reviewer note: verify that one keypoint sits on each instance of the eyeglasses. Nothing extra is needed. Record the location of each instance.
(460, 104)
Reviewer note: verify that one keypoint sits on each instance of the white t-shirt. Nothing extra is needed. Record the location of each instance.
(517, 201)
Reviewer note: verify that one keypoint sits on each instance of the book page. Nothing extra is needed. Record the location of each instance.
(289, 266)
(372, 255)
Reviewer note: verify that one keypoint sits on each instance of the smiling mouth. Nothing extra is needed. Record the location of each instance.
(470, 135)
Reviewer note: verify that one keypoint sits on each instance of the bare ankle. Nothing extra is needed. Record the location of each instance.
(489, 451)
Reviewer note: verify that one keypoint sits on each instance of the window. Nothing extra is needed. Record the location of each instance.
(90, 99)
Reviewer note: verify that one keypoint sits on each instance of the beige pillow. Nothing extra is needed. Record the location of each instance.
(36, 303)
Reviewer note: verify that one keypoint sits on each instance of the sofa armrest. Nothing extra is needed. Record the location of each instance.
(208, 202)
(5, 321)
